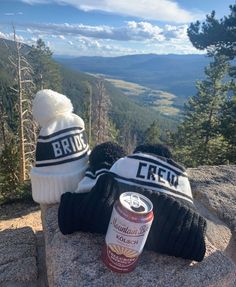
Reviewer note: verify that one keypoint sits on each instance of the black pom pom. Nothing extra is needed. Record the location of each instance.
(157, 149)
(107, 152)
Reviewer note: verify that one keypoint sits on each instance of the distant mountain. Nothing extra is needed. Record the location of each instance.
(174, 74)
(123, 111)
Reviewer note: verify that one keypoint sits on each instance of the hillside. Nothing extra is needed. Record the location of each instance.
(123, 111)
(158, 100)
(174, 74)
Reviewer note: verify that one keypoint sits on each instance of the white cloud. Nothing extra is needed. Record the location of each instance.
(13, 14)
(133, 37)
(62, 37)
(10, 36)
(19, 38)
(163, 10)
(3, 35)
(132, 31)
(144, 30)
(179, 32)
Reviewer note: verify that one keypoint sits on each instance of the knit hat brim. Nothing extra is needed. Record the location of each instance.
(48, 188)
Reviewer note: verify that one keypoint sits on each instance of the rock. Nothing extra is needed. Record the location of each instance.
(218, 233)
(18, 256)
(215, 188)
(74, 261)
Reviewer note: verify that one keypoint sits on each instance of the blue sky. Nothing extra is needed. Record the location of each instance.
(107, 27)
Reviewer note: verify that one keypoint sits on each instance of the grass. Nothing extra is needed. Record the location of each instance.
(159, 100)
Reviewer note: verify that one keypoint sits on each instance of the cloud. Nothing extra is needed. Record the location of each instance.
(92, 47)
(3, 35)
(131, 31)
(163, 10)
(62, 37)
(10, 36)
(130, 38)
(13, 13)
(179, 32)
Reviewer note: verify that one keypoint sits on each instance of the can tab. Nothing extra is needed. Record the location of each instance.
(135, 203)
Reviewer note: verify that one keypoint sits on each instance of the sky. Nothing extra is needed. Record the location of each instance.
(107, 27)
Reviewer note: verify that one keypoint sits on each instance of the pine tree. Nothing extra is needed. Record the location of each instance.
(228, 127)
(218, 37)
(198, 139)
(152, 134)
(46, 71)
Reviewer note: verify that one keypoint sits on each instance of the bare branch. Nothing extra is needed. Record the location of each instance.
(11, 61)
(27, 81)
(15, 90)
(29, 153)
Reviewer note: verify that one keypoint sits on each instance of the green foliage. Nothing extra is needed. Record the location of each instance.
(8, 99)
(154, 72)
(228, 126)
(9, 171)
(152, 134)
(75, 86)
(208, 135)
(198, 139)
(46, 71)
(122, 112)
(217, 36)
(46, 75)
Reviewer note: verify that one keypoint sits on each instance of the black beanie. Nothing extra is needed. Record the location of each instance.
(105, 153)
(90, 209)
(177, 229)
(101, 158)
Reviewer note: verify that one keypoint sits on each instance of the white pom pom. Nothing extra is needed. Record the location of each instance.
(49, 104)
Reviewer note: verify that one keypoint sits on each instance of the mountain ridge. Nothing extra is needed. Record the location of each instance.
(172, 73)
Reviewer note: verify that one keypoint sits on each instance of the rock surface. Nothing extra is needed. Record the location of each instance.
(215, 188)
(74, 260)
(18, 256)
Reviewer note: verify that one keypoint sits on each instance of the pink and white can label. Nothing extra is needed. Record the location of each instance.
(127, 232)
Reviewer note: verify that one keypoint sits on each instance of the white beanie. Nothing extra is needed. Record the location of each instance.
(62, 148)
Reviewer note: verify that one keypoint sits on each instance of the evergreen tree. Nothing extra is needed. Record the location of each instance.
(198, 139)
(228, 127)
(46, 71)
(9, 170)
(217, 36)
(152, 134)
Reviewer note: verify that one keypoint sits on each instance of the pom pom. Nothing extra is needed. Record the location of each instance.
(107, 152)
(48, 104)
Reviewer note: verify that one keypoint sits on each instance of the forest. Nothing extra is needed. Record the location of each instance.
(205, 135)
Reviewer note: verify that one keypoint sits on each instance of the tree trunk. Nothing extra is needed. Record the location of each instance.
(22, 175)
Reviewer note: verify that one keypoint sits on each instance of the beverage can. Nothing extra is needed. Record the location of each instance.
(127, 232)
